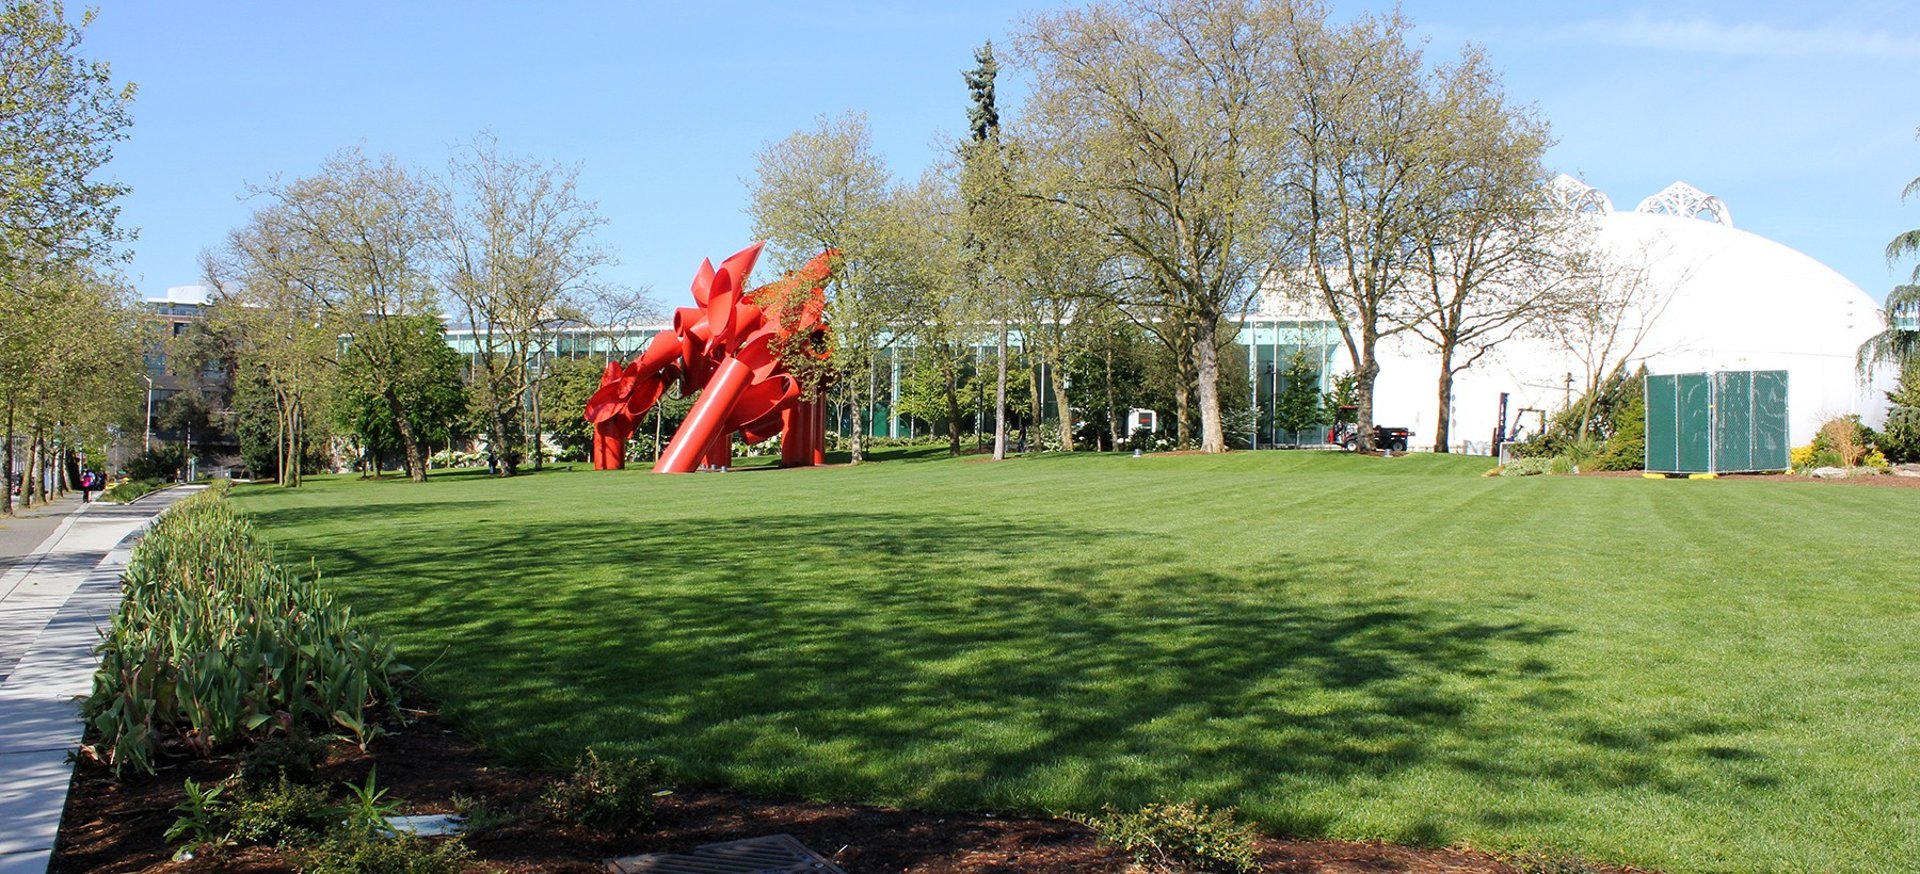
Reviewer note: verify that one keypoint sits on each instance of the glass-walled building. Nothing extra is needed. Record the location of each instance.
(1261, 353)
(1271, 343)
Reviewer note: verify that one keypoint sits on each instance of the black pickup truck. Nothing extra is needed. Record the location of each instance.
(1384, 437)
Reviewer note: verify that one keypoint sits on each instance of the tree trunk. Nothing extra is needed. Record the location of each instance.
(1000, 399)
(1364, 377)
(282, 416)
(296, 441)
(533, 392)
(952, 375)
(1213, 437)
(30, 478)
(1113, 412)
(496, 438)
(858, 441)
(1182, 386)
(1441, 430)
(6, 466)
(409, 444)
(1057, 376)
(1036, 402)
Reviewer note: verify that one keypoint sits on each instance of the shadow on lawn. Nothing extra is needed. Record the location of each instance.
(961, 662)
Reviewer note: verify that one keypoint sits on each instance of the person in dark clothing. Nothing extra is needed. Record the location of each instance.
(88, 482)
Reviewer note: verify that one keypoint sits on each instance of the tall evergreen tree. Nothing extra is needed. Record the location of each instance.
(1297, 407)
(984, 187)
(1899, 343)
(983, 118)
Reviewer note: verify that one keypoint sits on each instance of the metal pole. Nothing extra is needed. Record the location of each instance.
(149, 442)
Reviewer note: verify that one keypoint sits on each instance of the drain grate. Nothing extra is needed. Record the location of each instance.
(773, 854)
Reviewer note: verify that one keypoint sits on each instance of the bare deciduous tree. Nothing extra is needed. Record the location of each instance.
(1156, 118)
(517, 254)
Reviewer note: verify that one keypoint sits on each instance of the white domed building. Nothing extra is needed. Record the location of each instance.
(1707, 296)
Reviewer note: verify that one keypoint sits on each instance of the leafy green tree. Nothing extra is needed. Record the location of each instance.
(825, 187)
(259, 427)
(1298, 407)
(1900, 437)
(426, 382)
(63, 113)
(1112, 366)
(568, 385)
(345, 253)
(931, 383)
(1339, 403)
(65, 326)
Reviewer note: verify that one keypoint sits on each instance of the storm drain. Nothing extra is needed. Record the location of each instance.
(773, 854)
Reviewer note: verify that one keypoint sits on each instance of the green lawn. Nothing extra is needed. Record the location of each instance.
(1690, 675)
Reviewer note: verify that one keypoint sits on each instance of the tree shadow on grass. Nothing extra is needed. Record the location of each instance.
(955, 662)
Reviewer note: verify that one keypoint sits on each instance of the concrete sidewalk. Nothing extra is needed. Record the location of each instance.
(53, 603)
(22, 533)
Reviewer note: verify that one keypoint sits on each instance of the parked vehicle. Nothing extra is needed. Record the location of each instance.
(1390, 437)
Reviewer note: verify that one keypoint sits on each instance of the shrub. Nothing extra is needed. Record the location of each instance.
(127, 491)
(214, 643)
(606, 793)
(160, 463)
(1801, 457)
(1527, 467)
(1616, 433)
(291, 758)
(1845, 438)
(354, 852)
(1900, 440)
(203, 816)
(1170, 838)
(477, 814)
(368, 808)
(284, 814)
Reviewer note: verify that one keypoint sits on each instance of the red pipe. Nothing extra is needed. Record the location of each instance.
(709, 414)
(817, 435)
(720, 451)
(609, 450)
(790, 446)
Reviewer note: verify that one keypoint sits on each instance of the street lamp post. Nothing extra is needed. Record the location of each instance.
(149, 443)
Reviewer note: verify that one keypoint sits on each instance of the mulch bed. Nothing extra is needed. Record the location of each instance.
(118, 826)
(1884, 480)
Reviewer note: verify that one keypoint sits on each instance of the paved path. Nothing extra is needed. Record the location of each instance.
(53, 602)
(22, 532)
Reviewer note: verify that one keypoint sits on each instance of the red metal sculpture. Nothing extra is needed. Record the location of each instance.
(738, 350)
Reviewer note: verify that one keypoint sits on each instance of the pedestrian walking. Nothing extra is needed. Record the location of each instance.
(88, 482)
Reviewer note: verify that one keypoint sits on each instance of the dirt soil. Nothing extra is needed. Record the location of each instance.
(118, 826)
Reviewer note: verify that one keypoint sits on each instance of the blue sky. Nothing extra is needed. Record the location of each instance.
(1801, 116)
